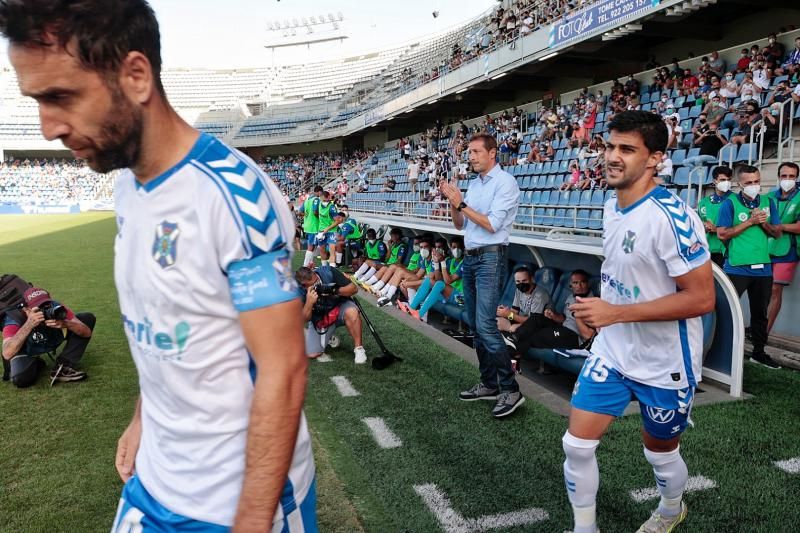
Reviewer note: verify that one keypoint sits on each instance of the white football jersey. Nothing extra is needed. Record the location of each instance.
(645, 246)
(207, 239)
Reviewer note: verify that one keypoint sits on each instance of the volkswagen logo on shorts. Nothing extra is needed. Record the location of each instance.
(659, 415)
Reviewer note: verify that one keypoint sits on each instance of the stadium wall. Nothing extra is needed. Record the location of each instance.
(331, 145)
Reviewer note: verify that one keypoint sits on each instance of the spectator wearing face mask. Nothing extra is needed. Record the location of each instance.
(529, 299)
(774, 49)
(748, 90)
(762, 75)
(746, 222)
(783, 250)
(551, 329)
(708, 209)
(714, 110)
(444, 285)
(730, 88)
(716, 65)
(710, 141)
(661, 105)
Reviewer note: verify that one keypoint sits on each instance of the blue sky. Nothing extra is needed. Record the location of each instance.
(232, 33)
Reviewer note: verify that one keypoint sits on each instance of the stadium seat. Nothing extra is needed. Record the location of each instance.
(677, 157)
(689, 196)
(681, 177)
(746, 151)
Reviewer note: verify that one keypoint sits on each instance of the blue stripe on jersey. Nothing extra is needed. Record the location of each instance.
(250, 196)
(687, 352)
(280, 241)
(287, 504)
(681, 224)
(252, 366)
(228, 201)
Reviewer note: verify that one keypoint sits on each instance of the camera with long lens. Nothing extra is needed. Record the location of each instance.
(326, 290)
(53, 311)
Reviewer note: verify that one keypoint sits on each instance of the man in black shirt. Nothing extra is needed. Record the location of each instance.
(710, 141)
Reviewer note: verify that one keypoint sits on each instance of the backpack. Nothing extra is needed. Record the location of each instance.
(12, 288)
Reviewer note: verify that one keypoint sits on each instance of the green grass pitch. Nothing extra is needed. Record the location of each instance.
(57, 444)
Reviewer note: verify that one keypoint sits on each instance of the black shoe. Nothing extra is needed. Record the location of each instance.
(510, 339)
(763, 359)
(65, 373)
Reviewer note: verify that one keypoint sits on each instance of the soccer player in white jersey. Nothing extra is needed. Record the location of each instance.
(218, 439)
(656, 283)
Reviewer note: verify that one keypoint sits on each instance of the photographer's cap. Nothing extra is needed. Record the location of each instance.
(35, 297)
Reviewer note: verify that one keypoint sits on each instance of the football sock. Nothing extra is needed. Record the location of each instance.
(433, 297)
(339, 258)
(361, 271)
(422, 292)
(391, 289)
(582, 476)
(671, 477)
(372, 281)
(309, 258)
(378, 286)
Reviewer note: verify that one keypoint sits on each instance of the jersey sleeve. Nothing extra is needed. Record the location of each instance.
(725, 215)
(382, 250)
(251, 229)
(680, 240)
(774, 213)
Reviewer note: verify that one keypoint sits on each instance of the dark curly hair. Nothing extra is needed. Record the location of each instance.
(650, 126)
(103, 31)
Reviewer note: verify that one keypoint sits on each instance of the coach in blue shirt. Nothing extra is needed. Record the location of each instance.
(486, 214)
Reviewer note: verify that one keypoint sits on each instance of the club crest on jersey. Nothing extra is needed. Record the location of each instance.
(165, 246)
(628, 242)
(742, 217)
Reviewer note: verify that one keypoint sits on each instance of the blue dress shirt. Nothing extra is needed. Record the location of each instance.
(495, 195)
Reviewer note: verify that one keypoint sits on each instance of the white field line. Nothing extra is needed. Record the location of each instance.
(452, 522)
(694, 483)
(790, 466)
(344, 386)
(381, 433)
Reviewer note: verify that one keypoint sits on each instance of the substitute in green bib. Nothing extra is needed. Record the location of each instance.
(349, 234)
(784, 249)
(310, 212)
(326, 235)
(388, 271)
(746, 221)
(708, 209)
(444, 286)
(375, 253)
(397, 252)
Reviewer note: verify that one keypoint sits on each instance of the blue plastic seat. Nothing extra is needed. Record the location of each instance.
(677, 157)
(582, 219)
(598, 197)
(596, 219)
(681, 177)
(746, 151)
(694, 111)
(689, 196)
(693, 152)
(728, 153)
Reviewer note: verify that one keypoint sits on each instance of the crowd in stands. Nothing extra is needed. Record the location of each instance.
(52, 181)
(502, 26)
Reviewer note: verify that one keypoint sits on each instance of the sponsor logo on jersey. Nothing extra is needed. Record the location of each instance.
(628, 242)
(165, 246)
(659, 415)
(159, 345)
(620, 287)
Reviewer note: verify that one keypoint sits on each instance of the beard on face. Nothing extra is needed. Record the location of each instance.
(120, 141)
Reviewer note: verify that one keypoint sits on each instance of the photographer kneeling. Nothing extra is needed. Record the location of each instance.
(326, 296)
(37, 329)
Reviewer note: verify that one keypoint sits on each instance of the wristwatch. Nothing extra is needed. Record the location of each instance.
(461, 206)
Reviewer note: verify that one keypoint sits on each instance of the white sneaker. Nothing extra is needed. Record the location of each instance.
(334, 342)
(361, 355)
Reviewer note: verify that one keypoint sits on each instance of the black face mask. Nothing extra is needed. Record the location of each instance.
(524, 287)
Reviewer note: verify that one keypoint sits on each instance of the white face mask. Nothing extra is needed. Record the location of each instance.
(751, 191)
(457, 252)
(416, 247)
(372, 241)
(425, 253)
(724, 186)
(787, 185)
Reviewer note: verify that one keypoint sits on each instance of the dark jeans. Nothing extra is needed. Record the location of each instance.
(719, 259)
(541, 332)
(759, 290)
(483, 276)
(25, 369)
